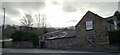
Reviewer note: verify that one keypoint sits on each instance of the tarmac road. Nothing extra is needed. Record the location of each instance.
(51, 52)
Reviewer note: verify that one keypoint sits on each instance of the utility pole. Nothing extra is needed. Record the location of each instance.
(3, 31)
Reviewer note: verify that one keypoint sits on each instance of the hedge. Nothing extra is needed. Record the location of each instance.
(114, 37)
(26, 36)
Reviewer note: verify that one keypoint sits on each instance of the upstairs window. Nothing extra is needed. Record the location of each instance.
(89, 25)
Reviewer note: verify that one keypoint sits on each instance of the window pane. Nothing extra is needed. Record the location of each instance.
(89, 25)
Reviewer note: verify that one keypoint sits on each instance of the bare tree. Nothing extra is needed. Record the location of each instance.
(41, 22)
(38, 20)
(27, 20)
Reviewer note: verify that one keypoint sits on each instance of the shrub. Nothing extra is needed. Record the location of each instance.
(114, 37)
(25, 36)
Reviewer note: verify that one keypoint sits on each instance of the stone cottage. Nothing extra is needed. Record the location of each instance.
(91, 31)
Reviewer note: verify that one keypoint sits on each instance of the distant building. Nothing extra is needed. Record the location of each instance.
(113, 23)
(91, 31)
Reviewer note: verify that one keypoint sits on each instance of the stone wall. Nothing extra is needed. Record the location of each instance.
(22, 44)
(95, 38)
(67, 41)
(8, 44)
(62, 43)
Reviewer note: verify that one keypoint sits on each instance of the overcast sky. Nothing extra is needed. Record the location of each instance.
(59, 13)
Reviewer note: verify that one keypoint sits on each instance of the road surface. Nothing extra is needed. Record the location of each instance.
(51, 52)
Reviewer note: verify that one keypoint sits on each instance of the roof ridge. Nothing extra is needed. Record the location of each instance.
(93, 13)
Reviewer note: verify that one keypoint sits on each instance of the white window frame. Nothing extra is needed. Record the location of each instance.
(89, 25)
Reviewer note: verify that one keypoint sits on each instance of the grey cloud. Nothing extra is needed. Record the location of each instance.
(1, 17)
(8, 20)
(106, 8)
(12, 9)
(1, 20)
(119, 6)
(69, 8)
(55, 3)
(102, 8)
(0, 8)
(10, 6)
(73, 21)
(72, 6)
(92, 0)
(22, 0)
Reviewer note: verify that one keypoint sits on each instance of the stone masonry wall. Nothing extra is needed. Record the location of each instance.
(60, 43)
(98, 34)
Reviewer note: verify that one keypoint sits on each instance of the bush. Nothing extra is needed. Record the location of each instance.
(114, 37)
(25, 36)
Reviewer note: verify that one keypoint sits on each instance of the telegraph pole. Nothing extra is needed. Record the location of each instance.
(3, 31)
